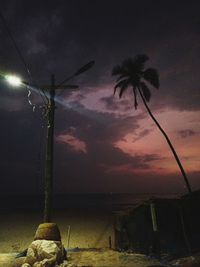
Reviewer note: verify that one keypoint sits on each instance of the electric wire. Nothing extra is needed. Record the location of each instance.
(64, 81)
(43, 95)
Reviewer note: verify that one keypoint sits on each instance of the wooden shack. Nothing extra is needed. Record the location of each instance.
(154, 226)
(191, 213)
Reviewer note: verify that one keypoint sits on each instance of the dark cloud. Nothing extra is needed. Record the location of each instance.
(76, 172)
(113, 105)
(89, 175)
(152, 157)
(64, 36)
(142, 134)
(94, 125)
(21, 152)
(186, 133)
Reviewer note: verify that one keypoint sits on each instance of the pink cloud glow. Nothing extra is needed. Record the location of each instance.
(75, 144)
(154, 143)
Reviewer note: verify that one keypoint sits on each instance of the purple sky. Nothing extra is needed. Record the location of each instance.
(101, 143)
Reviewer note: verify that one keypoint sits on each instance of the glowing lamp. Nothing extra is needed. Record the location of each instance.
(13, 80)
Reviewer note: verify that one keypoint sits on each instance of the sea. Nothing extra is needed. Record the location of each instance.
(109, 201)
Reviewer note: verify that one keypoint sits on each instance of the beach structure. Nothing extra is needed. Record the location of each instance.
(191, 207)
(159, 226)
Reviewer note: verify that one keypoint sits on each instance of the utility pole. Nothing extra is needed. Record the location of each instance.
(48, 191)
(49, 159)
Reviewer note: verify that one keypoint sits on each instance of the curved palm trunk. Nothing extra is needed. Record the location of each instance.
(169, 143)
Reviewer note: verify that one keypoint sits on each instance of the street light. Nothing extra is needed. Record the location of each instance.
(13, 80)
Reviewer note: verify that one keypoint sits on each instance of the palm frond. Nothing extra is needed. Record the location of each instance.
(121, 77)
(151, 75)
(123, 88)
(135, 97)
(120, 84)
(145, 91)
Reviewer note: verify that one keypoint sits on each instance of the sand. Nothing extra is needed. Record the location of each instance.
(88, 229)
(101, 258)
(9, 260)
(107, 258)
(110, 258)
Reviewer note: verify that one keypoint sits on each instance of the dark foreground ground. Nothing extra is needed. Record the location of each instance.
(108, 258)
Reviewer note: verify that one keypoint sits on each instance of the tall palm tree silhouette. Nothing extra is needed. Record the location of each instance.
(132, 73)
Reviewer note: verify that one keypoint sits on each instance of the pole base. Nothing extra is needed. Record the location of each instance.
(48, 231)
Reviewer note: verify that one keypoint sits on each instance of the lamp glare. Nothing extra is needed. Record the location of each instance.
(13, 80)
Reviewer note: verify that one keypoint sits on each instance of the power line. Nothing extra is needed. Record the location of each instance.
(43, 95)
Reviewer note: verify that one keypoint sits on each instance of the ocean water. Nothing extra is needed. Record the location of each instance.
(108, 202)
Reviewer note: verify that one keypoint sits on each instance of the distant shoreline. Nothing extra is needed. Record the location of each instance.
(75, 201)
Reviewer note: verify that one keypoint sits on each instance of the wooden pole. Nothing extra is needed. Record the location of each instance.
(156, 237)
(49, 154)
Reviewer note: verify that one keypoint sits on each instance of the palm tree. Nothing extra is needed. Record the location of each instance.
(132, 73)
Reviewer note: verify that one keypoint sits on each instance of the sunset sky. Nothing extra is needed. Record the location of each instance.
(102, 144)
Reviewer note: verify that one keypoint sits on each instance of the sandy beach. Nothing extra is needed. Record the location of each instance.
(101, 258)
(90, 218)
(88, 229)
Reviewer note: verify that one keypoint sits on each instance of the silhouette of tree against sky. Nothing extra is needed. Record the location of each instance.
(132, 73)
